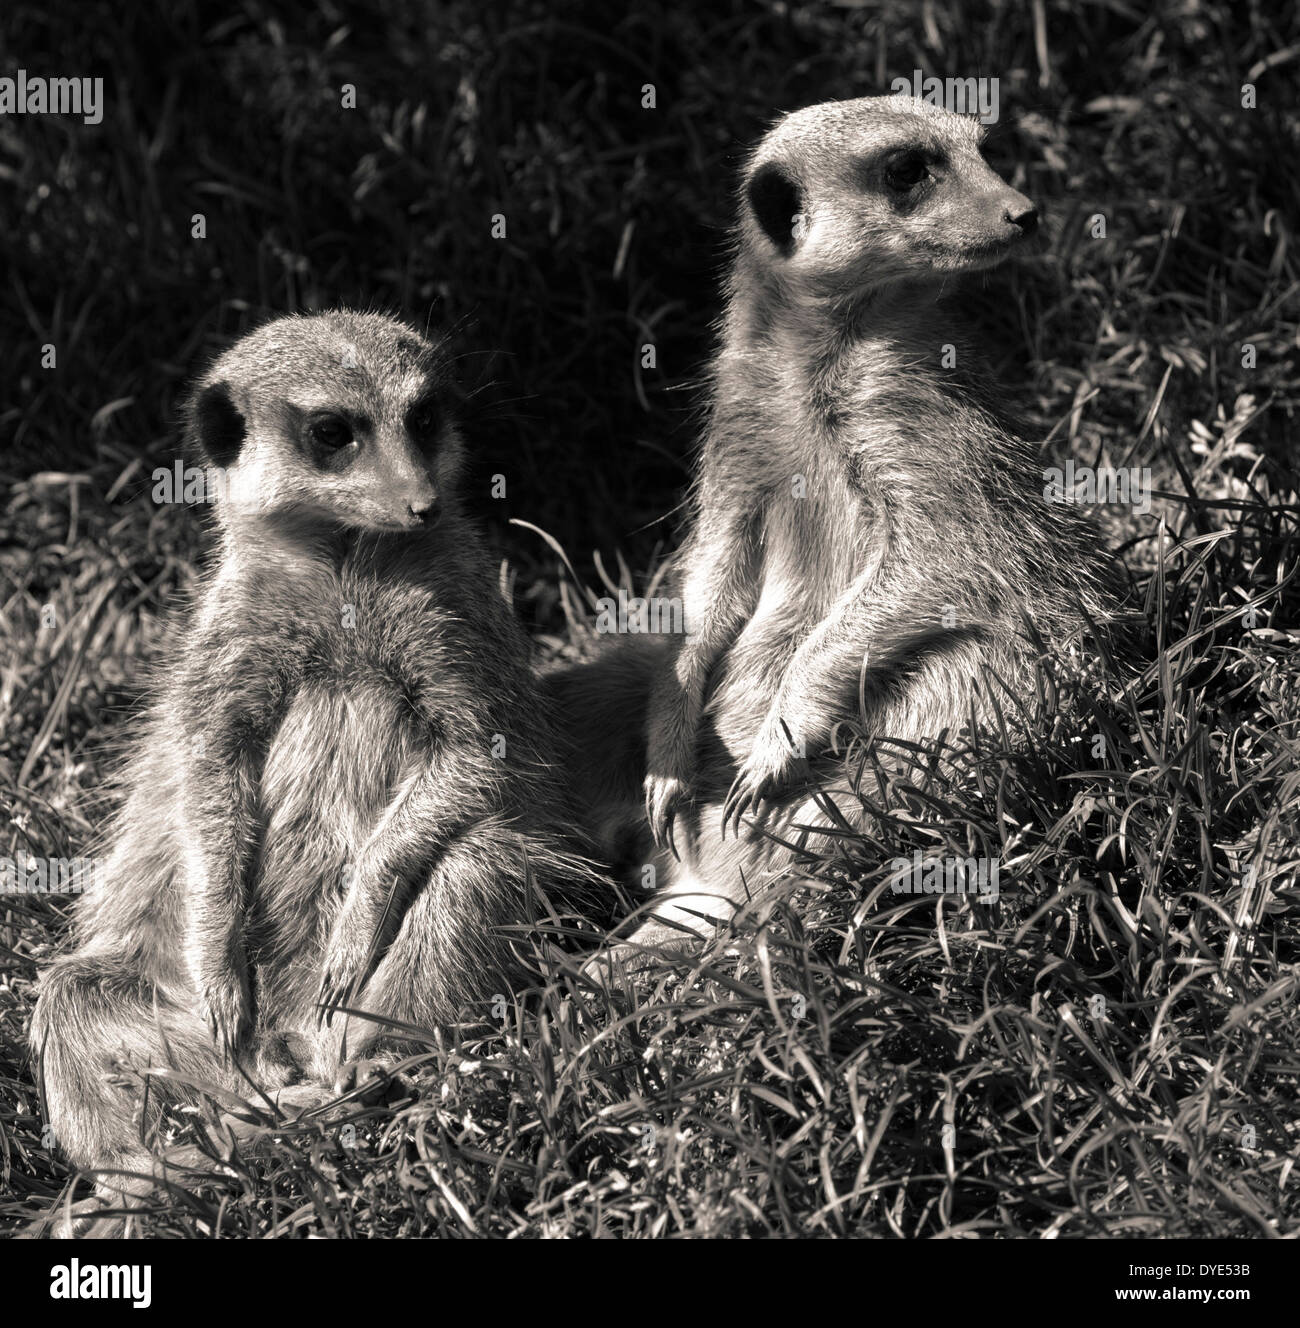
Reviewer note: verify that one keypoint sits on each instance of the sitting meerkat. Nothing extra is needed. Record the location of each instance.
(346, 782)
(869, 542)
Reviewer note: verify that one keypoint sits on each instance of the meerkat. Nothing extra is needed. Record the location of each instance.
(346, 784)
(868, 541)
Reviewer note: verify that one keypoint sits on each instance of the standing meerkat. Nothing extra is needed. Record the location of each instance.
(868, 541)
(345, 783)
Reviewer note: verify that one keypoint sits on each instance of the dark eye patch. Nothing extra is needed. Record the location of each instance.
(905, 170)
(424, 420)
(329, 441)
(330, 431)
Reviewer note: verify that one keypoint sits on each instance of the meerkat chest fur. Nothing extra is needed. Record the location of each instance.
(855, 427)
(775, 438)
(814, 419)
(350, 641)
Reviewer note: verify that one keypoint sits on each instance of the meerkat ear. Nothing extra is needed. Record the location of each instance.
(216, 428)
(777, 203)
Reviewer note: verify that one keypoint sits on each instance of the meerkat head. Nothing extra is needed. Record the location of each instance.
(337, 418)
(848, 196)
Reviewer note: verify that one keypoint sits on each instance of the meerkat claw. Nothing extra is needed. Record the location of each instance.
(332, 995)
(326, 1002)
(224, 1012)
(663, 797)
(736, 804)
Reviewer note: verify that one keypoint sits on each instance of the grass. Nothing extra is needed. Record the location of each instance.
(1114, 1043)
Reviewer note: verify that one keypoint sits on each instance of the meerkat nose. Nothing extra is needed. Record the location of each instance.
(1025, 217)
(424, 509)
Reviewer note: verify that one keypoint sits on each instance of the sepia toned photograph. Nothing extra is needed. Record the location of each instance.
(671, 621)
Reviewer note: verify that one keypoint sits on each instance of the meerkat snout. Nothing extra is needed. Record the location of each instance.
(399, 479)
(1007, 215)
(1022, 214)
(423, 511)
(341, 416)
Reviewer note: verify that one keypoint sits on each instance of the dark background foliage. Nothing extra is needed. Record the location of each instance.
(616, 215)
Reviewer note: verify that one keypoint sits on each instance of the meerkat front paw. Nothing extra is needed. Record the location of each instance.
(670, 759)
(343, 974)
(366, 1075)
(775, 763)
(295, 1100)
(74, 1221)
(226, 1008)
(337, 987)
(664, 796)
(603, 968)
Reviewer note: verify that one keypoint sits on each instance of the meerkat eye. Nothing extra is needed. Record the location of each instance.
(331, 431)
(424, 419)
(906, 171)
